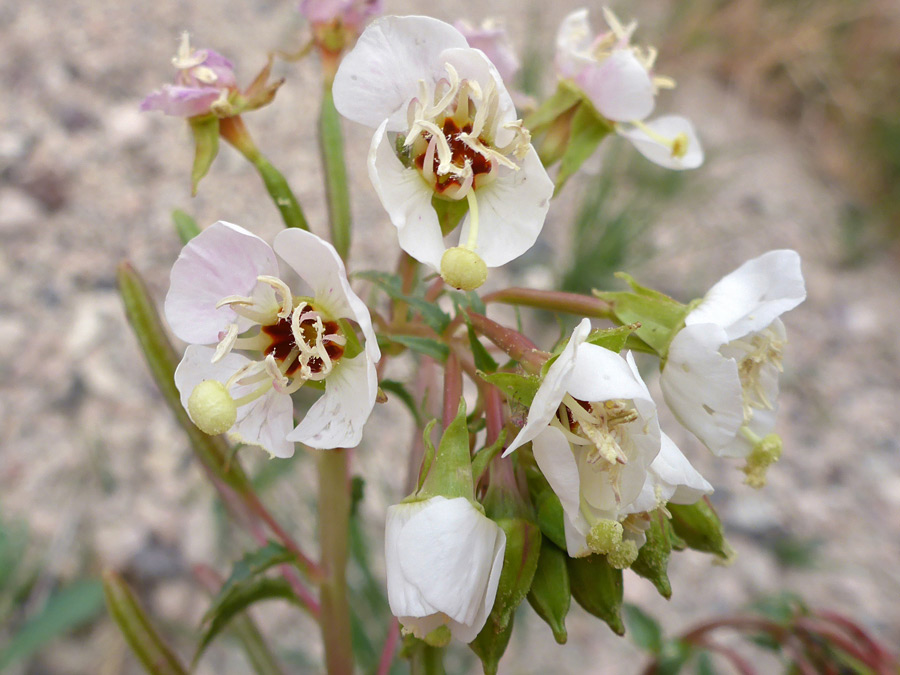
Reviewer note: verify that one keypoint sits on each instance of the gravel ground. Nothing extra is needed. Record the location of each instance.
(94, 464)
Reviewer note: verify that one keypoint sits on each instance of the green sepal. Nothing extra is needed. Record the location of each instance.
(547, 506)
(598, 588)
(699, 526)
(563, 99)
(586, 130)
(205, 129)
(613, 339)
(151, 650)
(653, 558)
(516, 386)
(659, 316)
(490, 644)
(449, 212)
(550, 595)
(520, 559)
(185, 225)
(482, 459)
(450, 474)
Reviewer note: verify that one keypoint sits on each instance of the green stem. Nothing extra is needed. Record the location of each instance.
(427, 660)
(331, 147)
(334, 519)
(553, 301)
(232, 129)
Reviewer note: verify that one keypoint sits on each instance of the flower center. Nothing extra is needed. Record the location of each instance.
(452, 137)
(189, 63)
(754, 353)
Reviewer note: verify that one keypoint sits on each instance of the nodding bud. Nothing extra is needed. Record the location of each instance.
(463, 268)
(212, 408)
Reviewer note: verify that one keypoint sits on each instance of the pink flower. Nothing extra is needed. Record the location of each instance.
(492, 38)
(204, 77)
(351, 13)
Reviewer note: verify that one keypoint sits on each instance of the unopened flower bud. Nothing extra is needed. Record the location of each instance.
(624, 553)
(605, 536)
(211, 408)
(463, 269)
(653, 558)
(598, 588)
(699, 525)
(550, 595)
(764, 454)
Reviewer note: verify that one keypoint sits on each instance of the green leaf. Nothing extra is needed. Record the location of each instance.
(613, 339)
(432, 315)
(705, 664)
(65, 610)
(185, 225)
(281, 193)
(644, 629)
(254, 563)
(153, 653)
(483, 360)
(587, 129)
(206, 146)
(241, 596)
(521, 388)
(331, 147)
(425, 346)
(258, 653)
(482, 459)
(398, 388)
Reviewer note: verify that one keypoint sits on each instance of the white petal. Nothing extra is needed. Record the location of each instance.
(319, 265)
(404, 597)
(702, 388)
(682, 483)
(336, 420)
(573, 42)
(576, 539)
(603, 375)
(264, 422)
(407, 199)
(555, 460)
(669, 127)
(512, 210)
(751, 297)
(452, 553)
(381, 74)
(473, 64)
(222, 260)
(619, 87)
(552, 390)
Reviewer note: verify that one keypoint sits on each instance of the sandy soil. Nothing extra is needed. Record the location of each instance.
(93, 463)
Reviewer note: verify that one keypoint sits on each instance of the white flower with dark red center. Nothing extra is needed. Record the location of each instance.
(617, 77)
(721, 374)
(594, 433)
(226, 291)
(446, 131)
(443, 559)
(205, 78)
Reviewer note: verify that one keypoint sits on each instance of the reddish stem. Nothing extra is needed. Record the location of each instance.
(856, 632)
(739, 662)
(452, 388)
(553, 301)
(510, 341)
(390, 648)
(817, 628)
(493, 412)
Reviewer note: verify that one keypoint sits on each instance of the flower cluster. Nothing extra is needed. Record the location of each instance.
(588, 484)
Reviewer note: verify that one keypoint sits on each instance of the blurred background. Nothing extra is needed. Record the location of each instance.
(798, 106)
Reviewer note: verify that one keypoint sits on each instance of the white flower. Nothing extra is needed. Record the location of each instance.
(446, 129)
(443, 559)
(226, 291)
(671, 478)
(618, 78)
(721, 374)
(594, 433)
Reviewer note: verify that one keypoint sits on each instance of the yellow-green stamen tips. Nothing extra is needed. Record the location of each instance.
(212, 408)
(625, 553)
(765, 453)
(605, 536)
(463, 269)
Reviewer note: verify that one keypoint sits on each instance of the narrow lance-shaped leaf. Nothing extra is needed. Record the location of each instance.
(212, 451)
(185, 225)
(331, 147)
(153, 653)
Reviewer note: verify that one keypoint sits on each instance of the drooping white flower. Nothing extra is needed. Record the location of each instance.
(443, 559)
(594, 432)
(721, 374)
(446, 130)
(617, 76)
(671, 478)
(226, 291)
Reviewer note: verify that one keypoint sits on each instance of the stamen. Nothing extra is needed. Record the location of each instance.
(678, 145)
(281, 289)
(226, 343)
